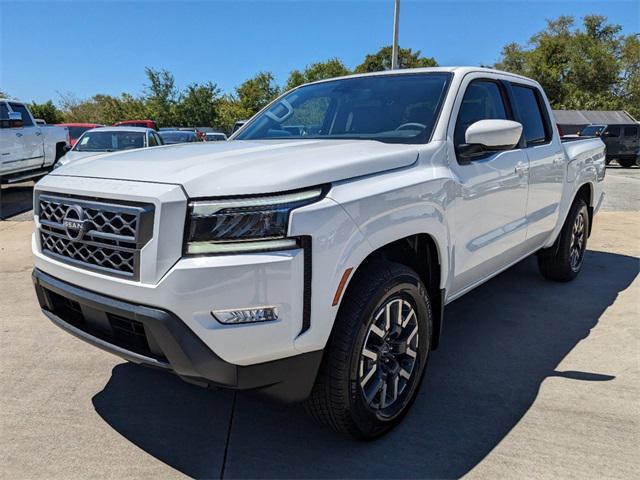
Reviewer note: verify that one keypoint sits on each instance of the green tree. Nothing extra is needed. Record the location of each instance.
(46, 111)
(4, 94)
(229, 111)
(160, 96)
(198, 105)
(257, 92)
(629, 86)
(114, 109)
(317, 71)
(78, 110)
(381, 60)
(594, 67)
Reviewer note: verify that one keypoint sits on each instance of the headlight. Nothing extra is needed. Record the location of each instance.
(244, 224)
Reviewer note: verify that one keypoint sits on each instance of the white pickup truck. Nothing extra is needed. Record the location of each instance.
(27, 150)
(311, 256)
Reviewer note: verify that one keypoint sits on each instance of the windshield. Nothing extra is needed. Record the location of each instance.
(388, 108)
(75, 132)
(109, 141)
(592, 131)
(177, 137)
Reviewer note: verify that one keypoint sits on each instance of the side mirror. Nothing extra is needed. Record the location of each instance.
(14, 120)
(486, 136)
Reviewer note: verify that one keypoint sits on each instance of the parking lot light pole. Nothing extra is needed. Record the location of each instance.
(396, 27)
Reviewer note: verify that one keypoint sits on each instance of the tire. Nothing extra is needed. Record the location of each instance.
(365, 348)
(564, 260)
(626, 162)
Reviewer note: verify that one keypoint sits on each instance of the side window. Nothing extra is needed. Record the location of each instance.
(613, 131)
(152, 140)
(529, 105)
(4, 110)
(26, 118)
(630, 131)
(483, 100)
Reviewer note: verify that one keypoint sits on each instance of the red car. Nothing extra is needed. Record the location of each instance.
(77, 129)
(137, 123)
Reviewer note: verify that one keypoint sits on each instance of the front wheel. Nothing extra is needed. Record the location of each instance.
(377, 352)
(563, 261)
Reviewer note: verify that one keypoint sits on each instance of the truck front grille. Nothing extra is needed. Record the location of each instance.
(97, 235)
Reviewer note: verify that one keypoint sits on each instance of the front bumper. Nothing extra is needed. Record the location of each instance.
(158, 338)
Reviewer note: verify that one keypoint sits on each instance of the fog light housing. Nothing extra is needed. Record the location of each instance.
(237, 316)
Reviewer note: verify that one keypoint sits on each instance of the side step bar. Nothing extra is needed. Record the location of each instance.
(21, 177)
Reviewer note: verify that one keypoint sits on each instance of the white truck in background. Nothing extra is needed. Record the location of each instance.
(27, 150)
(311, 256)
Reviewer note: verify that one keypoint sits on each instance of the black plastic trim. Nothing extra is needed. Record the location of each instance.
(305, 243)
(288, 380)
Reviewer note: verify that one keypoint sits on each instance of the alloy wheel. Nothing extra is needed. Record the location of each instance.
(389, 356)
(576, 249)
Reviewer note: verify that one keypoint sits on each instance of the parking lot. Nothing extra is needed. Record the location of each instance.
(532, 379)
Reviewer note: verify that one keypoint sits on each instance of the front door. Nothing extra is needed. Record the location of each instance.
(9, 149)
(28, 139)
(611, 138)
(489, 213)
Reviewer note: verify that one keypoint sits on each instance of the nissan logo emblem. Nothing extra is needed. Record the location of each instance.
(74, 223)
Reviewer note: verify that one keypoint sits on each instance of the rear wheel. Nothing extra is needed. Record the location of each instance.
(375, 358)
(626, 162)
(563, 261)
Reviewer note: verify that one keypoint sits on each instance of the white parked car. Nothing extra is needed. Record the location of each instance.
(311, 256)
(99, 141)
(27, 150)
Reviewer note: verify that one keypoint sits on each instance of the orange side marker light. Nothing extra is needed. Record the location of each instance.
(343, 281)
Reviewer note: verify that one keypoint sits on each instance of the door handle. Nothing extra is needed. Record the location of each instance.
(18, 134)
(38, 134)
(521, 169)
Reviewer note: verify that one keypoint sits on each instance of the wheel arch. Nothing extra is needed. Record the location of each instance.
(422, 253)
(586, 192)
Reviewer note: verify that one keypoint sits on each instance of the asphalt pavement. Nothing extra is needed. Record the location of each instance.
(532, 379)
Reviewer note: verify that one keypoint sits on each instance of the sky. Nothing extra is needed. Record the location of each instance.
(87, 47)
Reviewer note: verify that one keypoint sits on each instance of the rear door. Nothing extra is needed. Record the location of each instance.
(630, 140)
(28, 138)
(489, 225)
(546, 160)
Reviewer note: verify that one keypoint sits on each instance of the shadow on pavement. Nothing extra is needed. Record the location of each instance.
(184, 426)
(501, 341)
(15, 199)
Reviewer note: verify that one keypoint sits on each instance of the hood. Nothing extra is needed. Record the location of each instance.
(74, 155)
(243, 167)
